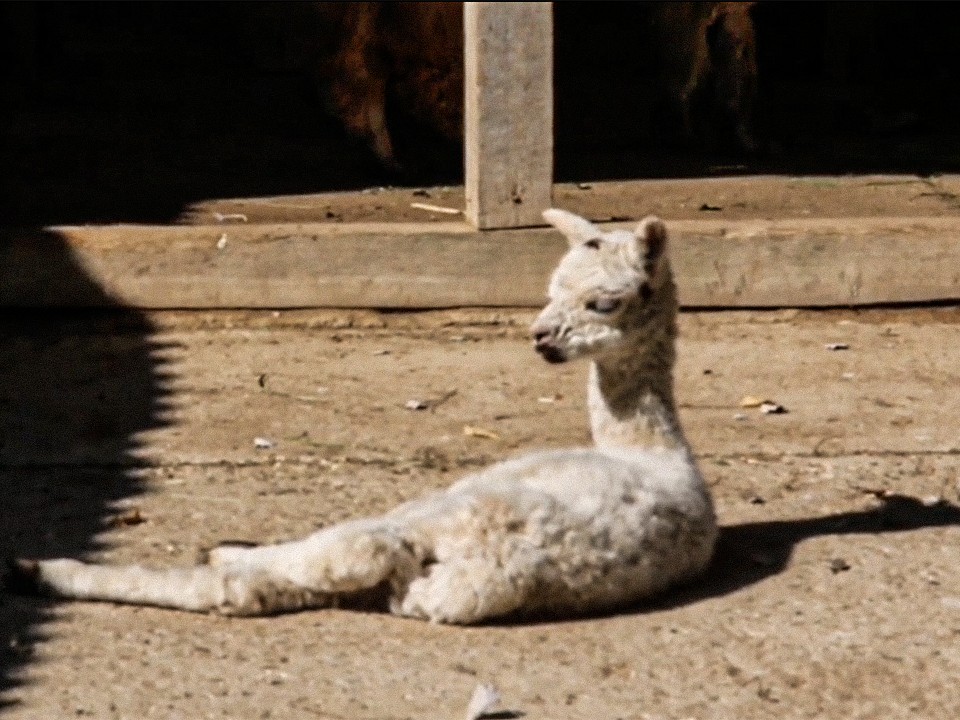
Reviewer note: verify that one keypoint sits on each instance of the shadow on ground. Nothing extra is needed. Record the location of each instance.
(75, 389)
(751, 552)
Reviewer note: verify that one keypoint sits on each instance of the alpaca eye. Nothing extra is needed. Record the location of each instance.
(603, 305)
(645, 292)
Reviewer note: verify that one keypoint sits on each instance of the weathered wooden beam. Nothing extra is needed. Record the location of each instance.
(790, 263)
(508, 112)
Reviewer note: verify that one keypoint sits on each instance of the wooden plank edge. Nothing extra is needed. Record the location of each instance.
(508, 112)
(719, 264)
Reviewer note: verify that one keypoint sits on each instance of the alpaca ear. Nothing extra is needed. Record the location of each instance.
(651, 243)
(576, 229)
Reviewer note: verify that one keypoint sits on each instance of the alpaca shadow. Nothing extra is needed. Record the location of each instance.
(748, 553)
(76, 387)
(751, 552)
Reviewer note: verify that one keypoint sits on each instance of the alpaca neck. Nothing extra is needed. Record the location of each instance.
(630, 396)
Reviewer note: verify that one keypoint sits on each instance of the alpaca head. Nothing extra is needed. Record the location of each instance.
(605, 292)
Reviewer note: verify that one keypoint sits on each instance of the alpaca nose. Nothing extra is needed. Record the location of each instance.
(541, 335)
(545, 343)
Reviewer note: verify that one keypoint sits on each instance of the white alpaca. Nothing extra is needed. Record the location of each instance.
(559, 532)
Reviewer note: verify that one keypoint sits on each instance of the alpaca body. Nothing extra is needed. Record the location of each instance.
(560, 532)
(563, 532)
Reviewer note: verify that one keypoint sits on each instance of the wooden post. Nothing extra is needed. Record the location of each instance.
(508, 112)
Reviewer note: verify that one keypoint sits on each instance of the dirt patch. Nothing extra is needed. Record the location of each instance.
(833, 593)
(761, 197)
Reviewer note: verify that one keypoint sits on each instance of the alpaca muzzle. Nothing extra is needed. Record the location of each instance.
(544, 342)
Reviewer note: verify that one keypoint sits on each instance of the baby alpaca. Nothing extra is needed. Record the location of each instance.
(558, 532)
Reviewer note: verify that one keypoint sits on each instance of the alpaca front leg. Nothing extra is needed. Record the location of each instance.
(463, 591)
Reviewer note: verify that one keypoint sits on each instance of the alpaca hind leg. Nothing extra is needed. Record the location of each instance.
(340, 562)
(199, 589)
(345, 558)
(266, 580)
(230, 589)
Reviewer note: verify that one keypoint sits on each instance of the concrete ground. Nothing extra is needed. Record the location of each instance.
(132, 437)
